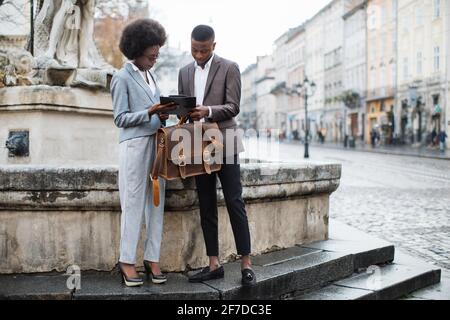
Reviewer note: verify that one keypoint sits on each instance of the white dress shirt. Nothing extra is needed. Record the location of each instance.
(151, 83)
(200, 79)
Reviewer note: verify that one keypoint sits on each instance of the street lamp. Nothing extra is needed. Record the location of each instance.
(307, 89)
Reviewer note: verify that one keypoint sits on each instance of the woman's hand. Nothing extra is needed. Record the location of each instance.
(161, 108)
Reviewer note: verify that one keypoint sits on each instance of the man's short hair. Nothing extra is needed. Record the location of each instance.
(203, 33)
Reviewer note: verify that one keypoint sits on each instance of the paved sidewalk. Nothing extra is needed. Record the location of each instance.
(342, 263)
(423, 152)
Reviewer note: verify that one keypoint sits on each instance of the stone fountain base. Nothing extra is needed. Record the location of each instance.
(53, 217)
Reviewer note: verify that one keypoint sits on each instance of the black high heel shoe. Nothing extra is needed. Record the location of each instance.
(156, 278)
(130, 282)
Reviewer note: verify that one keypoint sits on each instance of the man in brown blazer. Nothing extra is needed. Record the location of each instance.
(216, 83)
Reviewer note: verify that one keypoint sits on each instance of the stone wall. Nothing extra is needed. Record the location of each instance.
(53, 217)
(70, 126)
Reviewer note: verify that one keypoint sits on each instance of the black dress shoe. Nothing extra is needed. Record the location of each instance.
(248, 278)
(206, 275)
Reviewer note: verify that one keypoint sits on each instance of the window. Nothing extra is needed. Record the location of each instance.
(437, 9)
(373, 52)
(435, 99)
(393, 73)
(405, 68)
(436, 58)
(419, 16)
(394, 8)
(373, 79)
(419, 63)
(405, 23)
(383, 15)
(394, 40)
(373, 21)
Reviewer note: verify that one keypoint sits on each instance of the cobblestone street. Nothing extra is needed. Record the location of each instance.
(404, 200)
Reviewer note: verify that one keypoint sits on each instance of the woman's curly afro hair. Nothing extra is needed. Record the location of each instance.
(140, 35)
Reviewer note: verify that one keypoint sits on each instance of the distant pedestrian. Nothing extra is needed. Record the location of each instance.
(433, 137)
(441, 138)
(295, 134)
(373, 137)
(323, 134)
(319, 135)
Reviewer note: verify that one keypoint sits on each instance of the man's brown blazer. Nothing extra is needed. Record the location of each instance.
(222, 94)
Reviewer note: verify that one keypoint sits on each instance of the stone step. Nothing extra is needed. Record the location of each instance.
(387, 282)
(298, 268)
(367, 249)
(280, 274)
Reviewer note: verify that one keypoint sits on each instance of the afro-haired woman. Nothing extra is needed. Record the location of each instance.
(138, 114)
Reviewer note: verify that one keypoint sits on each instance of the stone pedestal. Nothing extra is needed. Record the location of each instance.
(53, 217)
(66, 126)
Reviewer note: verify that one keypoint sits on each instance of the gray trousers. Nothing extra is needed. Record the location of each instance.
(136, 158)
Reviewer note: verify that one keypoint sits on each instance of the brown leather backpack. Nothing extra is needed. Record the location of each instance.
(177, 159)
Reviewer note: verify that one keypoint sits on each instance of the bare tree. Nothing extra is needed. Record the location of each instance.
(111, 17)
(117, 9)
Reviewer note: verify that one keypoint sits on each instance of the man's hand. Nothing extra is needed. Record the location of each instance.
(199, 113)
(163, 116)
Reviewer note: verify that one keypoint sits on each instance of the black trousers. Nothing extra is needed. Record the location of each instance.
(230, 178)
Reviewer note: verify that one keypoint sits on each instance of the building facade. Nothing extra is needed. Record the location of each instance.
(295, 111)
(381, 69)
(280, 55)
(447, 74)
(247, 116)
(422, 71)
(355, 67)
(334, 71)
(315, 70)
(265, 101)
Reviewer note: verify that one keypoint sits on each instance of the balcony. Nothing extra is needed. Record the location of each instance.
(380, 93)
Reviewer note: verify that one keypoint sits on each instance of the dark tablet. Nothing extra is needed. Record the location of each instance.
(184, 104)
(182, 101)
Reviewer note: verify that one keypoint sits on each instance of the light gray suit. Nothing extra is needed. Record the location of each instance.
(222, 94)
(131, 98)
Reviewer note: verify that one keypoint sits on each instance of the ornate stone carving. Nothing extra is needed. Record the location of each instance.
(64, 45)
(16, 68)
(18, 144)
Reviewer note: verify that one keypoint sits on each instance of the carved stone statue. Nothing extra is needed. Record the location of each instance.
(64, 44)
(16, 68)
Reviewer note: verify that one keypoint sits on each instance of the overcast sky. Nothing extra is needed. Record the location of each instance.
(244, 28)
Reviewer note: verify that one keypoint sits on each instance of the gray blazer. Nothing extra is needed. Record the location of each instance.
(131, 98)
(222, 93)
